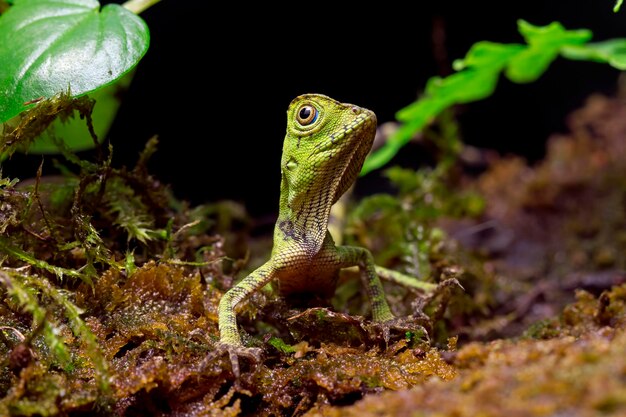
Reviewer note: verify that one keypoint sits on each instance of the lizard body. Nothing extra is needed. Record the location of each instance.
(324, 149)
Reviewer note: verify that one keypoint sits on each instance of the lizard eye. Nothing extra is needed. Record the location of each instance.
(306, 115)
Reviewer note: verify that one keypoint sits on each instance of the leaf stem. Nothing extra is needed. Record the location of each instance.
(138, 6)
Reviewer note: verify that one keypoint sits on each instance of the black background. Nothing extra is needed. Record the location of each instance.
(218, 77)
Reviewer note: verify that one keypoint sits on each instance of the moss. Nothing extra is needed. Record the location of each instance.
(582, 375)
(111, 309)
(113, 330)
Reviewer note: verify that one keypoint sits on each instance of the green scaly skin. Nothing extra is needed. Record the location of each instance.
(322, 157)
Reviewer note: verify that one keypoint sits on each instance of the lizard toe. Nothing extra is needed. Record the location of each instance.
(253, 355)
(406, 326)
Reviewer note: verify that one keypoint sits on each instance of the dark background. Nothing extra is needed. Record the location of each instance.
(216, 81)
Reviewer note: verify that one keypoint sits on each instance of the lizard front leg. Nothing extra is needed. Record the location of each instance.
(230, 339)
(381, 313)
(361, 257)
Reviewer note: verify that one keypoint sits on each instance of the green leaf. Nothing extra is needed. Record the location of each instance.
(530, 64)
(612, 52)
(478, 73)
(488, 54)
(466, 86)
(398, 139)
(618, 5)
(544, 45)
(462, 87)
(422, 111)
(553, 34)
(280, 345)
(49, 46)
(381, 156)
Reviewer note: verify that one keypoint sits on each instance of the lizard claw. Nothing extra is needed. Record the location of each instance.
(234, 353)
(450, 283)
(402, 325)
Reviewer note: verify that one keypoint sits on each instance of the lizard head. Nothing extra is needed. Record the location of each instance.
(324, 149)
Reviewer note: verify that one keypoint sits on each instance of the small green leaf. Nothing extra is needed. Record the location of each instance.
(465, 86)
(280, 345)
(617, 6)
(553, 34)
(398, 139)
(49, 46)
(544, 45)
(530, 64)
(422, 111)
(129, 263)
(478, 73)
(488, 54)
(462, 87)
(381, 156)
(612, 52)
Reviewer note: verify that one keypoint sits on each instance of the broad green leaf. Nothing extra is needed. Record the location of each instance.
(49, 46)
(612, 52)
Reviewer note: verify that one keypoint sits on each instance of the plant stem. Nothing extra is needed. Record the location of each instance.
(138, 6)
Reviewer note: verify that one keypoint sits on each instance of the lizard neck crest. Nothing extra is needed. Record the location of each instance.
(323, 152)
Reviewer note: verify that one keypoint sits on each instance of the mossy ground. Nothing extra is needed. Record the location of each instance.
(109, 290)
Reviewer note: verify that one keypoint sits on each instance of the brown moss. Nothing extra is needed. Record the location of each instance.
(582, 375)
(153, 315)
(547, 228)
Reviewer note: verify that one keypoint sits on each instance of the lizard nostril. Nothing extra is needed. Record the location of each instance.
(356, 110)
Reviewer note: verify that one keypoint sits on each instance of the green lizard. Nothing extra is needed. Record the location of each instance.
(323, 152)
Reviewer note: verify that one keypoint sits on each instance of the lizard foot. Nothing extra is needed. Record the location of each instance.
(450, 283)
(404, 325)
(234, 352)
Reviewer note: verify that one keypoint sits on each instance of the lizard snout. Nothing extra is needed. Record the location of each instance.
(356, 110)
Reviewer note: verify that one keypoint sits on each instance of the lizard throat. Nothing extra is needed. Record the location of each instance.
(304, 214)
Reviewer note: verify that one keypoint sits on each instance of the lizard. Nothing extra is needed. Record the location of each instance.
(324, 149)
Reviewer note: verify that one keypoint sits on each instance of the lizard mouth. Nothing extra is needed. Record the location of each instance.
(347, 149)
(352, 133)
